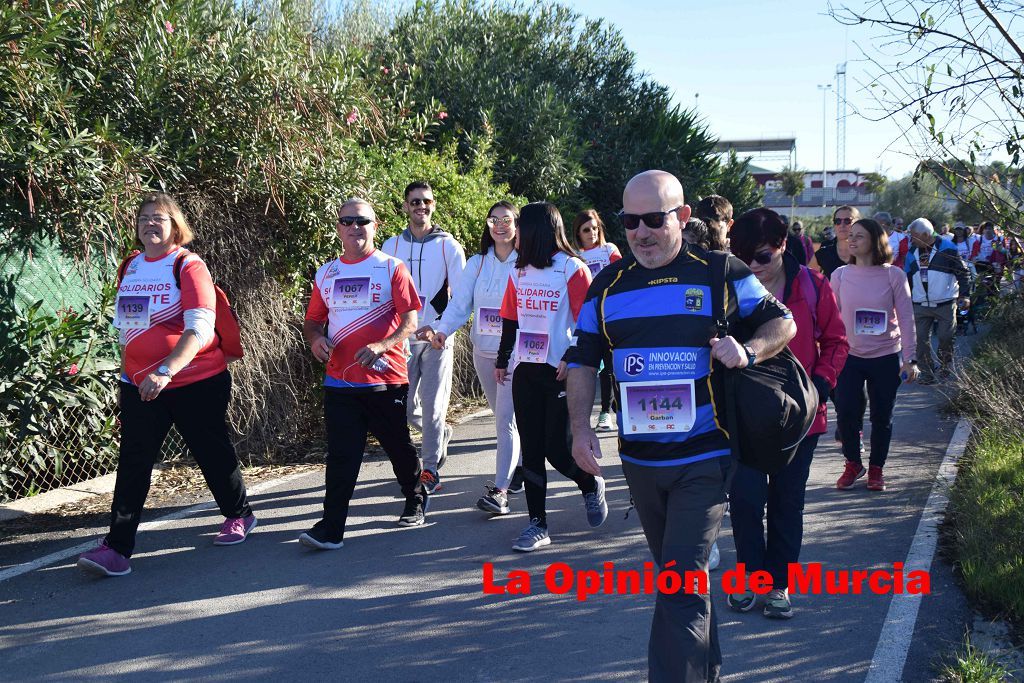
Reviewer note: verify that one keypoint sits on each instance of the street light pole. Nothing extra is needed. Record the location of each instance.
(824, 127)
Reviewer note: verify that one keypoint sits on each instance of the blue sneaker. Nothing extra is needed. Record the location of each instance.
(596, 505)
(533, 537)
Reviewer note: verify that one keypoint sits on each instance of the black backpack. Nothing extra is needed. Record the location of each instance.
(770, 407)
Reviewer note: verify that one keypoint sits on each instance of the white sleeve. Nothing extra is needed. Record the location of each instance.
(461, 306)
(201, 322)
(456, 264)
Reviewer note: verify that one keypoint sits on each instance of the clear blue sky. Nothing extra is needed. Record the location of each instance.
(755, 66)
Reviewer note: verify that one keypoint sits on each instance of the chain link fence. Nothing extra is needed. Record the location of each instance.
(75, 440)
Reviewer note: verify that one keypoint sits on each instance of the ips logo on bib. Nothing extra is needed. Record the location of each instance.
(694, 299)
(633, 364)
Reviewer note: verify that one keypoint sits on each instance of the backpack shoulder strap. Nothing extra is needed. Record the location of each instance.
(124, 265)
(179, 262)
(718, 262)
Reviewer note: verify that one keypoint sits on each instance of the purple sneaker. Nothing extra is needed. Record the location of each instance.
(104, 561)
(234, 530)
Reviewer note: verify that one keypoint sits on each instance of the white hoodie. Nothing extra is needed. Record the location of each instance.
(435, 262)
(479, 294)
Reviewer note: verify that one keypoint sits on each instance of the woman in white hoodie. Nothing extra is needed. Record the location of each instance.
(479, 294)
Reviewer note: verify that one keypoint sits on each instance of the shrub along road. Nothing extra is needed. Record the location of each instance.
(408, 605)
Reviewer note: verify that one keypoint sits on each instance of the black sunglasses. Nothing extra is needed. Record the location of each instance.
(653, 220)
(418, 202)
(358, 220)
(843, 221)
(762, 257)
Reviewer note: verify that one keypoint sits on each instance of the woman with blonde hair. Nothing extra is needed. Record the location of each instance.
(173, 373)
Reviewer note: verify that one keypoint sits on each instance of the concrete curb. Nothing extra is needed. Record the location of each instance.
(46, 502)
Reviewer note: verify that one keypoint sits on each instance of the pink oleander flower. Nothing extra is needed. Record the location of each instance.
(168, 26)
(352, 117)
(73, 370)
(442, 115)
(385, 70)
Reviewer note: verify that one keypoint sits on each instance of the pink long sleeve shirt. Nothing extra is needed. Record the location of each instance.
(875, 304)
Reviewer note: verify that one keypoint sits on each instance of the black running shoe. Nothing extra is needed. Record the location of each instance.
(321, 538)
(414, 513)
(517, 485)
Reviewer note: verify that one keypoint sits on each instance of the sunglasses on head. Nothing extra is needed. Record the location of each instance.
(357, 220)
(653, 220)
(425, 201)
(762, 257)
(843, 221)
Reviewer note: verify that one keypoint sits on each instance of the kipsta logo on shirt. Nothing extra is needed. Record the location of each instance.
(694, 299)
(633, 364)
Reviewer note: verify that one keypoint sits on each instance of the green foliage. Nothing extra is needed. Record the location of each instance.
(971, 665)
(576, 120)
(56, 385)
(914, 197)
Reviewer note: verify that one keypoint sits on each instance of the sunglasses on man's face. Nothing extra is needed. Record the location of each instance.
(843, 221)
(653, 220)
(425, 201)
(361, 221)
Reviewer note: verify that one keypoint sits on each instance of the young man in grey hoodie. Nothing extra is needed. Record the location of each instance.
(435, 261)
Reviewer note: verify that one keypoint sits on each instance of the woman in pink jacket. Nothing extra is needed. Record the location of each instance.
(758, 238)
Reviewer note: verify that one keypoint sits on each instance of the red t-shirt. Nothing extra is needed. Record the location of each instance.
(363, 302)
(150, 316)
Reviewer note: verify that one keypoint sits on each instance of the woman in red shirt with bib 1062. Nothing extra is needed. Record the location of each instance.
(173, 373)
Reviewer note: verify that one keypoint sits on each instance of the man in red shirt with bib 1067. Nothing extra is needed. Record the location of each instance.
(369, 304)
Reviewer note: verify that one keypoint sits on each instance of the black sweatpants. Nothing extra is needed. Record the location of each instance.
(542, 416)
(199, 412)
(350, 416)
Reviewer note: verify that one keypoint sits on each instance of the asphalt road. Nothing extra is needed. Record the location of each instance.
(407, 604)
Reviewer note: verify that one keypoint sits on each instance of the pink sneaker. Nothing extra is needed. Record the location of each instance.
(234, 530)
(104, 561)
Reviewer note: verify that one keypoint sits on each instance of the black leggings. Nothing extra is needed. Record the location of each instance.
(882, 376)
(542, 415)
(605, 377)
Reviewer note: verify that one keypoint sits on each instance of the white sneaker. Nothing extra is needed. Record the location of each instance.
(604, 422)
(714, 558)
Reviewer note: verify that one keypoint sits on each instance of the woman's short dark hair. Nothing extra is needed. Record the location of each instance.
(582, 218)
(541, 234)
(754, 228)
(486, 241)
(881, 252)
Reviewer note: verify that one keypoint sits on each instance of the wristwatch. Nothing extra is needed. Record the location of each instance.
(751, 356)
(165, 371)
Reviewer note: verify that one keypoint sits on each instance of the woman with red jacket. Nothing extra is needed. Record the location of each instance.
(758, 238)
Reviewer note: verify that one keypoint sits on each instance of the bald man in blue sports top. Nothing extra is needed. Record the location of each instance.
(652, 314)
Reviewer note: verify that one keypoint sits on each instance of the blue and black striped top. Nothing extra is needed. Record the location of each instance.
(653, 328)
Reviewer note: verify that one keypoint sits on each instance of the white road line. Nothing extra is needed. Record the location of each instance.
(898, 631)
(39, 563)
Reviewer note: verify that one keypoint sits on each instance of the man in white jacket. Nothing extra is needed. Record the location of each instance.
(435, 261)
